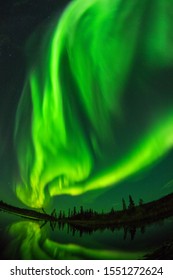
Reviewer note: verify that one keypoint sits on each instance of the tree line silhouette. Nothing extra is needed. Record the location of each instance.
(130, 214)
(90, 213)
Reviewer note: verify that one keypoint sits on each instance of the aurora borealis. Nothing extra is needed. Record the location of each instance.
(86, 119)
(73, 113)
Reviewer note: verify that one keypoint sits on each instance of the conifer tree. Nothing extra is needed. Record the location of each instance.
(131, 203)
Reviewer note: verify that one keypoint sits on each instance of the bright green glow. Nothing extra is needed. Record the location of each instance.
(74, 94)
(31, 243)
(150, 149)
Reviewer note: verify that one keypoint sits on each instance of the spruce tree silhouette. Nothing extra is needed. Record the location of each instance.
(131, 203)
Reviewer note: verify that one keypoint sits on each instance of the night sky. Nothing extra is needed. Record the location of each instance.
(142, 116)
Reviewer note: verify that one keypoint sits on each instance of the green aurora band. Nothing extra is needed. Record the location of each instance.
(73, 99)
